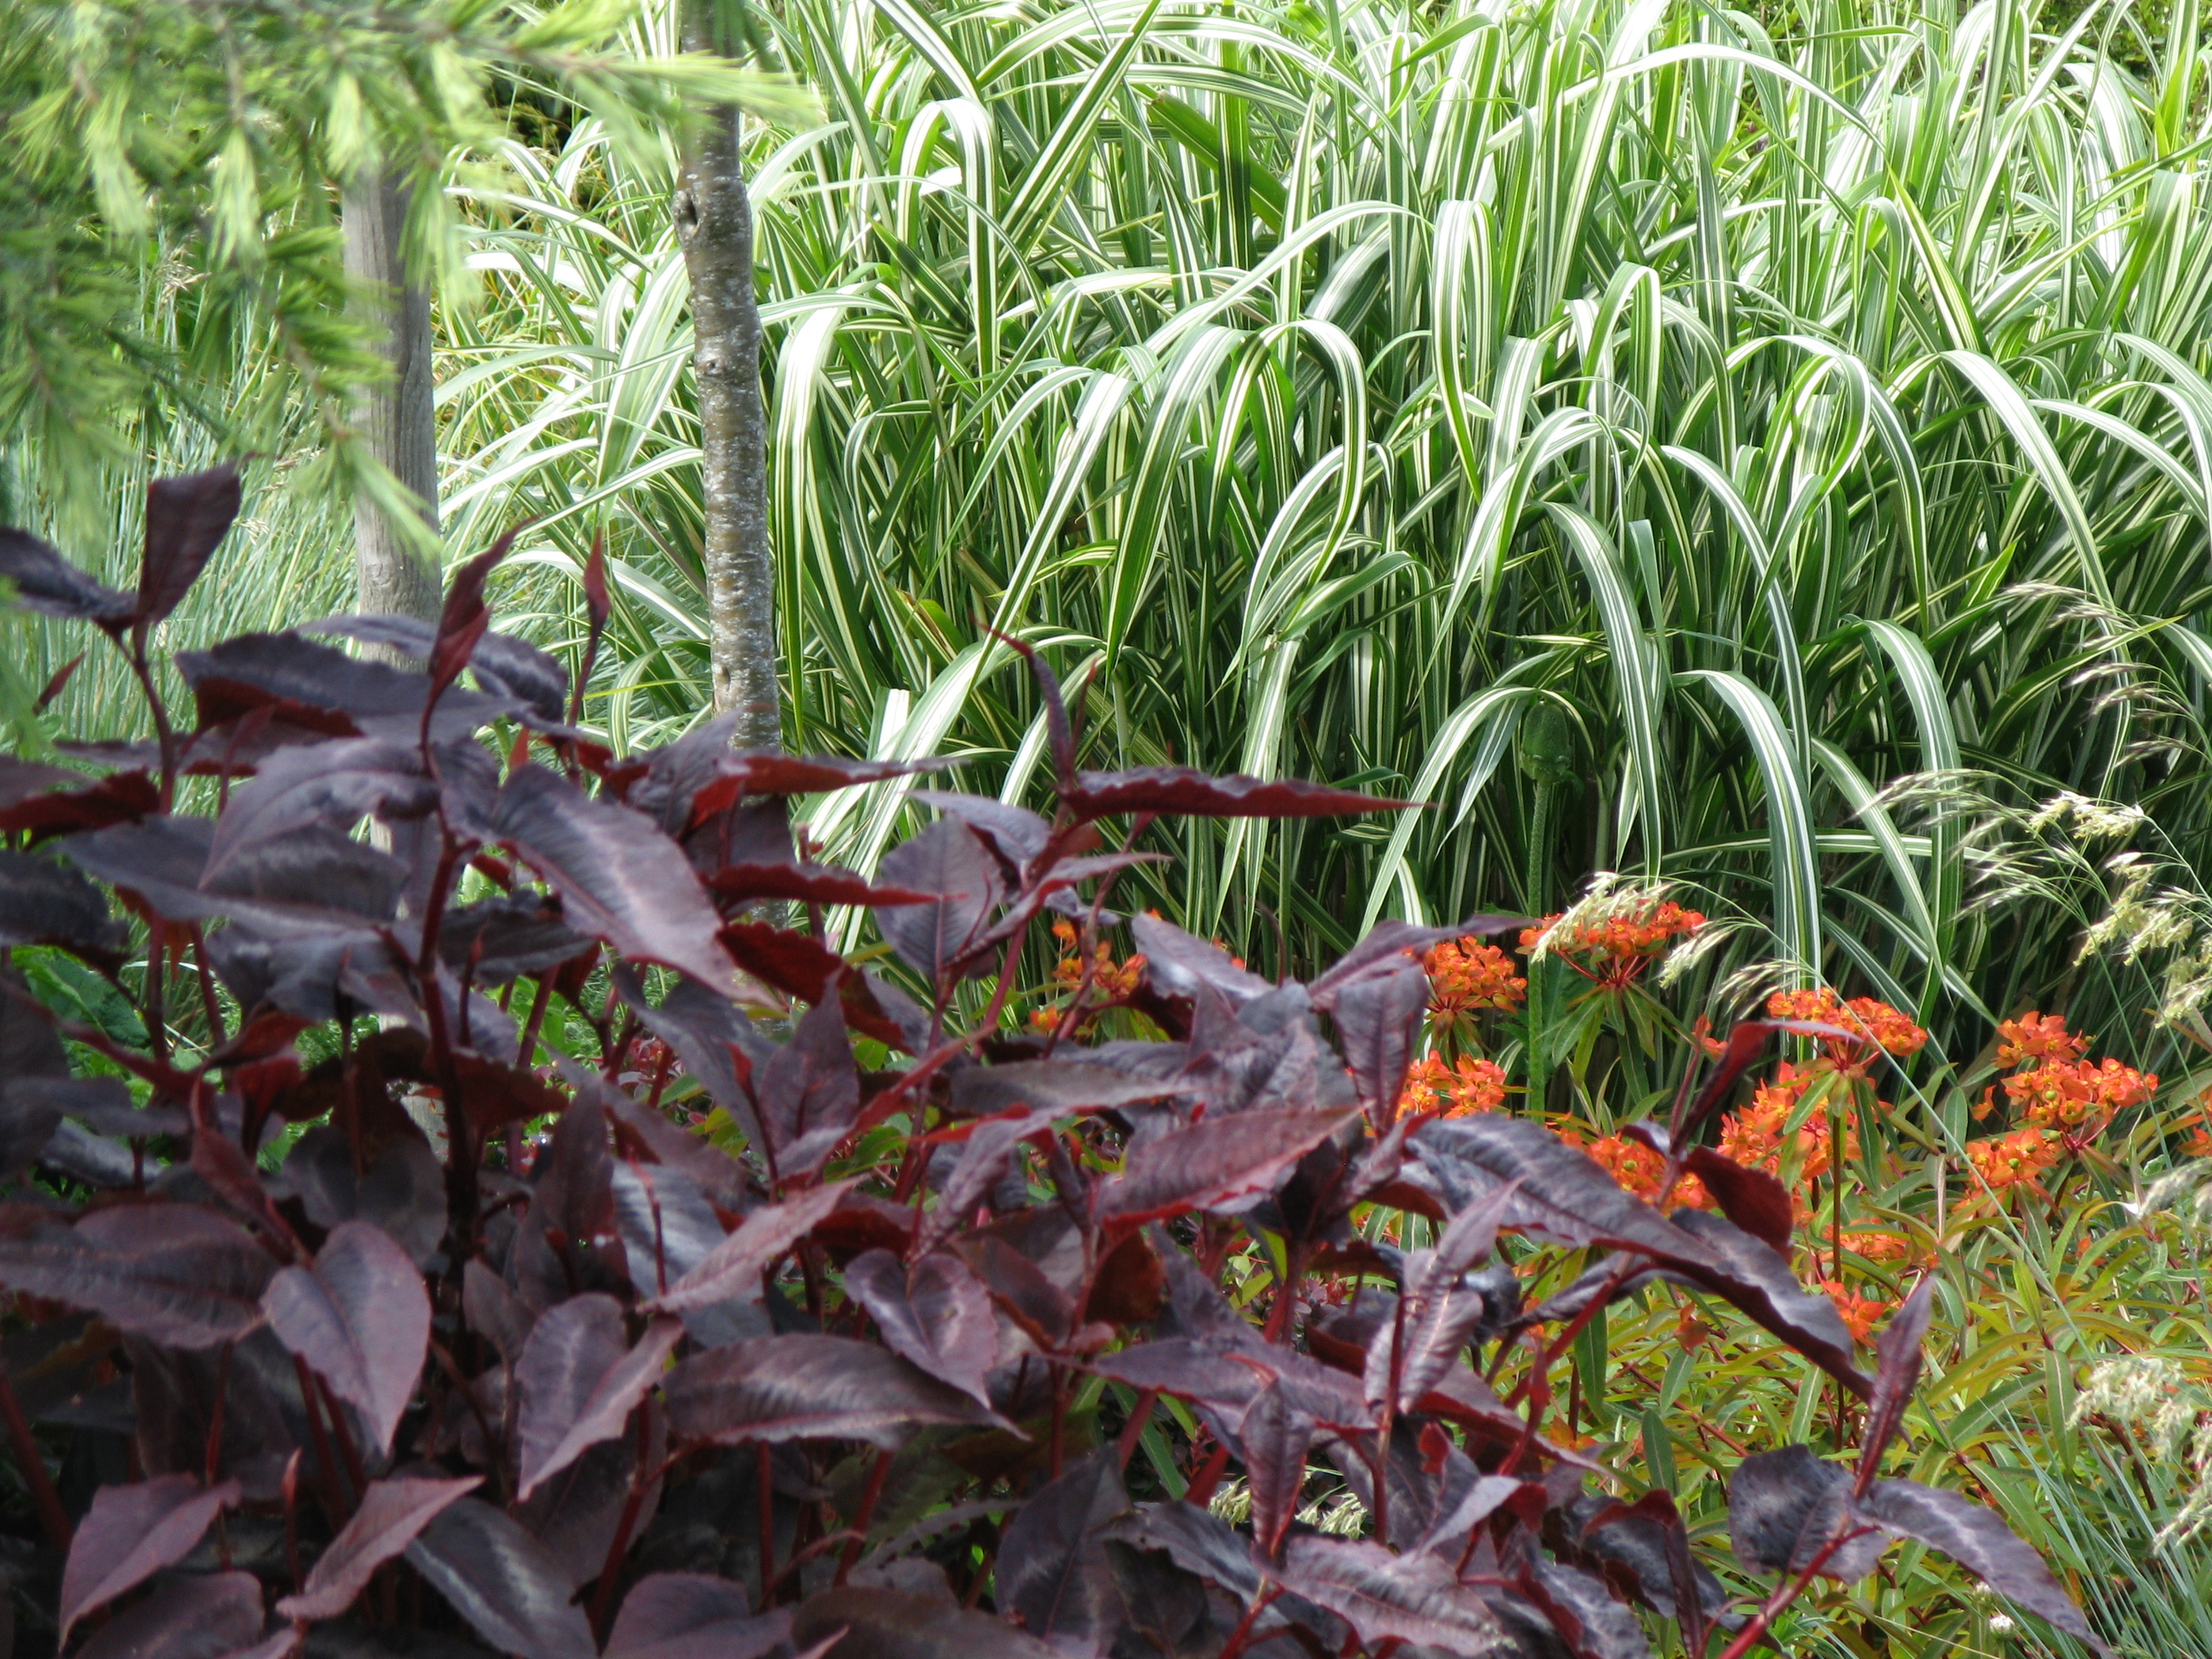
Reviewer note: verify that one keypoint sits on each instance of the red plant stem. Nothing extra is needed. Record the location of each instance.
(1749, 1637)
(866, 1513)
(292, 1517)
(767, 1525)
(1133, 1431)
(51, 1515)
(215, 1427)
(216, 1034)
(1059, 1420)
(640, 1478)
(1201, 1490)
(343, 1433)
(1241, 1636)
(334, 1501)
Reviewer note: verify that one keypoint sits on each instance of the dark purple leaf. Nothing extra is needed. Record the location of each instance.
(1754, 1278)
(173, 1273)
(1897, 1374)
(1207, 1373)
(1052, 1574)
(938, 1315)
(131, 1533)
(123, 798)
(188, 1616)
(465, 618)
(714, 1173)
(795, 963)
(494, 1311)
(717, 1043)
(984, 1157)
(619, 878)
(733, 1267)
(772, 772)
(1273, 1437)
(323, 689)
(505, 666)
(809, 1093)
(948, 859)
(807, 884)
(185, 520)
(1377, 1023)
(390, 1515)
(1052, 1088)
(1591, 1623)
(22, 780)
(1642, 1551)
(810, 1387)
(1439, 1316)
(1411, 1598)
(578, 1382)
(360, 1319)
(510, 936)
(1197, 1540)
(1983, 1545)
(43, 901)
(1177, 962)
(335, 783)
(1754, 1200)
(1786, 1507)
(692, 1615)
(1563, 1198)
(1482, 1500)
(1182, 790)
(575, 1511)
(499, 1578)
(1218, 1160)
(51, 585)
(1014, 833)
(895, 1625)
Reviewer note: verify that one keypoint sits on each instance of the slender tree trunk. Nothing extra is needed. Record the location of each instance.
(397, 419)
(714, 218)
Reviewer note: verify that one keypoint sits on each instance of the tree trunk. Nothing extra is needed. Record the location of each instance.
(714, 219)
(397, 419)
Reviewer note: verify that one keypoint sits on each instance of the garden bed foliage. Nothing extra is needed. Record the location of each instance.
(362, 1308)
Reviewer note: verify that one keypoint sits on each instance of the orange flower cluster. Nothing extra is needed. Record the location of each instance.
(1637, 1168)
(1883, 1029)
(1613, 951)
(1474, 1085)
(1116, 981)
(1861, 1314)
(2036, 1037)
(1466, 977)
(2005, 1161)
(2069, 1093)
(1755, 1136)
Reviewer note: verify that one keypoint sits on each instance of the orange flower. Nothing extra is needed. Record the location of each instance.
(2069, 1094)
(2038, 1037)
(1613, 951)
(1466, 977)
(1861, 1314)
(1881, 1027)
(2005, 1161)
(1639, 1170)
(1474, 1086)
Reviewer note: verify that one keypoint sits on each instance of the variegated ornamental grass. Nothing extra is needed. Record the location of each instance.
(1797, 413)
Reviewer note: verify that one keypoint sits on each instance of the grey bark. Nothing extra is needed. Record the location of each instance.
(714, 220)
(397, 419)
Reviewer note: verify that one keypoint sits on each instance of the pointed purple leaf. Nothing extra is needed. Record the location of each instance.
(360, 1319)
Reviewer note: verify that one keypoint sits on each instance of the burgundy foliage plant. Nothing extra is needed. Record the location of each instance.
(916, 1346)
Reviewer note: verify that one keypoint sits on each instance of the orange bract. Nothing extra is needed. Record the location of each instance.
(1614, 951)
(1881, 1026)
(2015, 1160)
(1466, 977)
(2038, 1037)
(1861, 1314)
(1639, 1170)
(1474, 1086)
